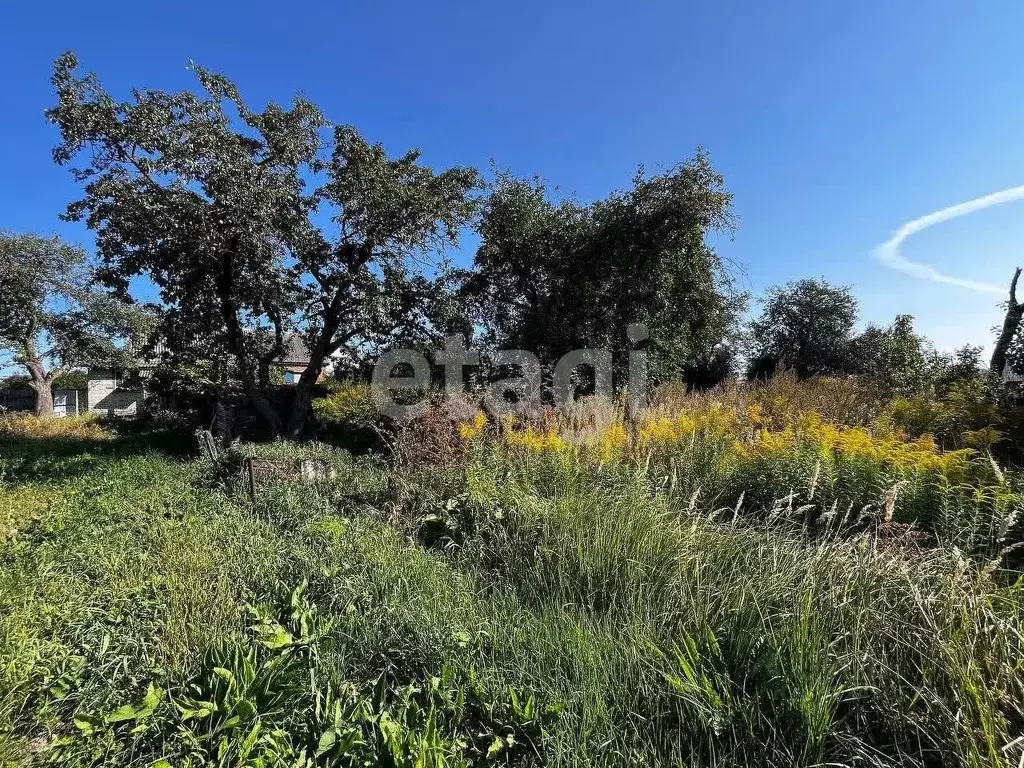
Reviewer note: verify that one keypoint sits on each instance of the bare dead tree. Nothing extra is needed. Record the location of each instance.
(1011, 323)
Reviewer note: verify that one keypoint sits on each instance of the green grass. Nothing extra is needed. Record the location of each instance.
(508, 611)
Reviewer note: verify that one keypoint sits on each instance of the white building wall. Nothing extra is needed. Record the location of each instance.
(105, 395)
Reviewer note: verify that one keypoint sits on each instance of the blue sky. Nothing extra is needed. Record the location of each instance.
(834, 124)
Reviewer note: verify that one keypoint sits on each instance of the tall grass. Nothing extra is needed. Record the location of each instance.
(818, 454)
(86, 426)
(518, 605)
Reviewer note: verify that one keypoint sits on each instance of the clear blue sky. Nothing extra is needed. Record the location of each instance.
(833, 123)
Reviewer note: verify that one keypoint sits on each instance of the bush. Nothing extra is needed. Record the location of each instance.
(965, 408)
(347, 416)
(433, 438)
(346, 404)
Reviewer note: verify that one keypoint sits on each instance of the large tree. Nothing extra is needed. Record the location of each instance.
(805, 327)
(370, 283)
(555, 276)
(52, 317)
(896, 358)
(221, 206)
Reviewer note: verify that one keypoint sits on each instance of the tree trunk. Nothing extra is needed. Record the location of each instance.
(221, 424)
(260, 401)
(44, 398)
(224, 282)
(303, 398)
(324, 346)
(42, 383)
(1011, 323)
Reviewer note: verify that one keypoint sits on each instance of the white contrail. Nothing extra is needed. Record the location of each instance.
(889, 252)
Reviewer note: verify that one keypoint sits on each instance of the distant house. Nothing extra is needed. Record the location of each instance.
(295, 359)
(121, 393)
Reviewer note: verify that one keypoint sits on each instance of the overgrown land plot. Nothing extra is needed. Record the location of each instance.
(756, 576)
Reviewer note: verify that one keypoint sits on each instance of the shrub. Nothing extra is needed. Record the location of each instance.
(433, 438)
(346, 415)
(965, 408)
(345, 404)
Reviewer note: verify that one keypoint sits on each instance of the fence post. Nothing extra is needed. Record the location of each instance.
(249, 461)
(207, 445)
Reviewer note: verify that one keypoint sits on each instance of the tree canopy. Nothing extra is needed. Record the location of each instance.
(897, 358)
(52, 317)
(220, 206)
(555, 276)
(258, 225)
(804, 326)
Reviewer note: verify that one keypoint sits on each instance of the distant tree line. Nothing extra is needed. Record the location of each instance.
(808, 327)
(254, 225)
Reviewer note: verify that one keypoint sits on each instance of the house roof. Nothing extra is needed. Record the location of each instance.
(295, 351)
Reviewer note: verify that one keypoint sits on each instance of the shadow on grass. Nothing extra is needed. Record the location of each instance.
(25, 459)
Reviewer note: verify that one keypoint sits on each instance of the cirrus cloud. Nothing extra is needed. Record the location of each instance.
(888, 253)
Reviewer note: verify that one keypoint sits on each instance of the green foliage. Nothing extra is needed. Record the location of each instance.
(965, 408)
(35, 272)
(894, 358)
(208, 198)
(515, 610)
(552, 277)
(347, 415)
(804, 327)
(185, 379)
(346, 404)
(52, 319)
(201, 195)
(956, 403)
(69, 380)
(260, 699)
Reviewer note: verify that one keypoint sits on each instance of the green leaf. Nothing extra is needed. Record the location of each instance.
(138, 711)
(326, 743)
(87, 723)
(245, 709)
(249, 742)
(197, 710)
(275, 637)
(127, 712)
(496, 747)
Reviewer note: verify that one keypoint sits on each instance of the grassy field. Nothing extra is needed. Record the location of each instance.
(774, 580)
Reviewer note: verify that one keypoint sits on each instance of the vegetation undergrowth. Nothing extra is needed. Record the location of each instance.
(568, 592)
